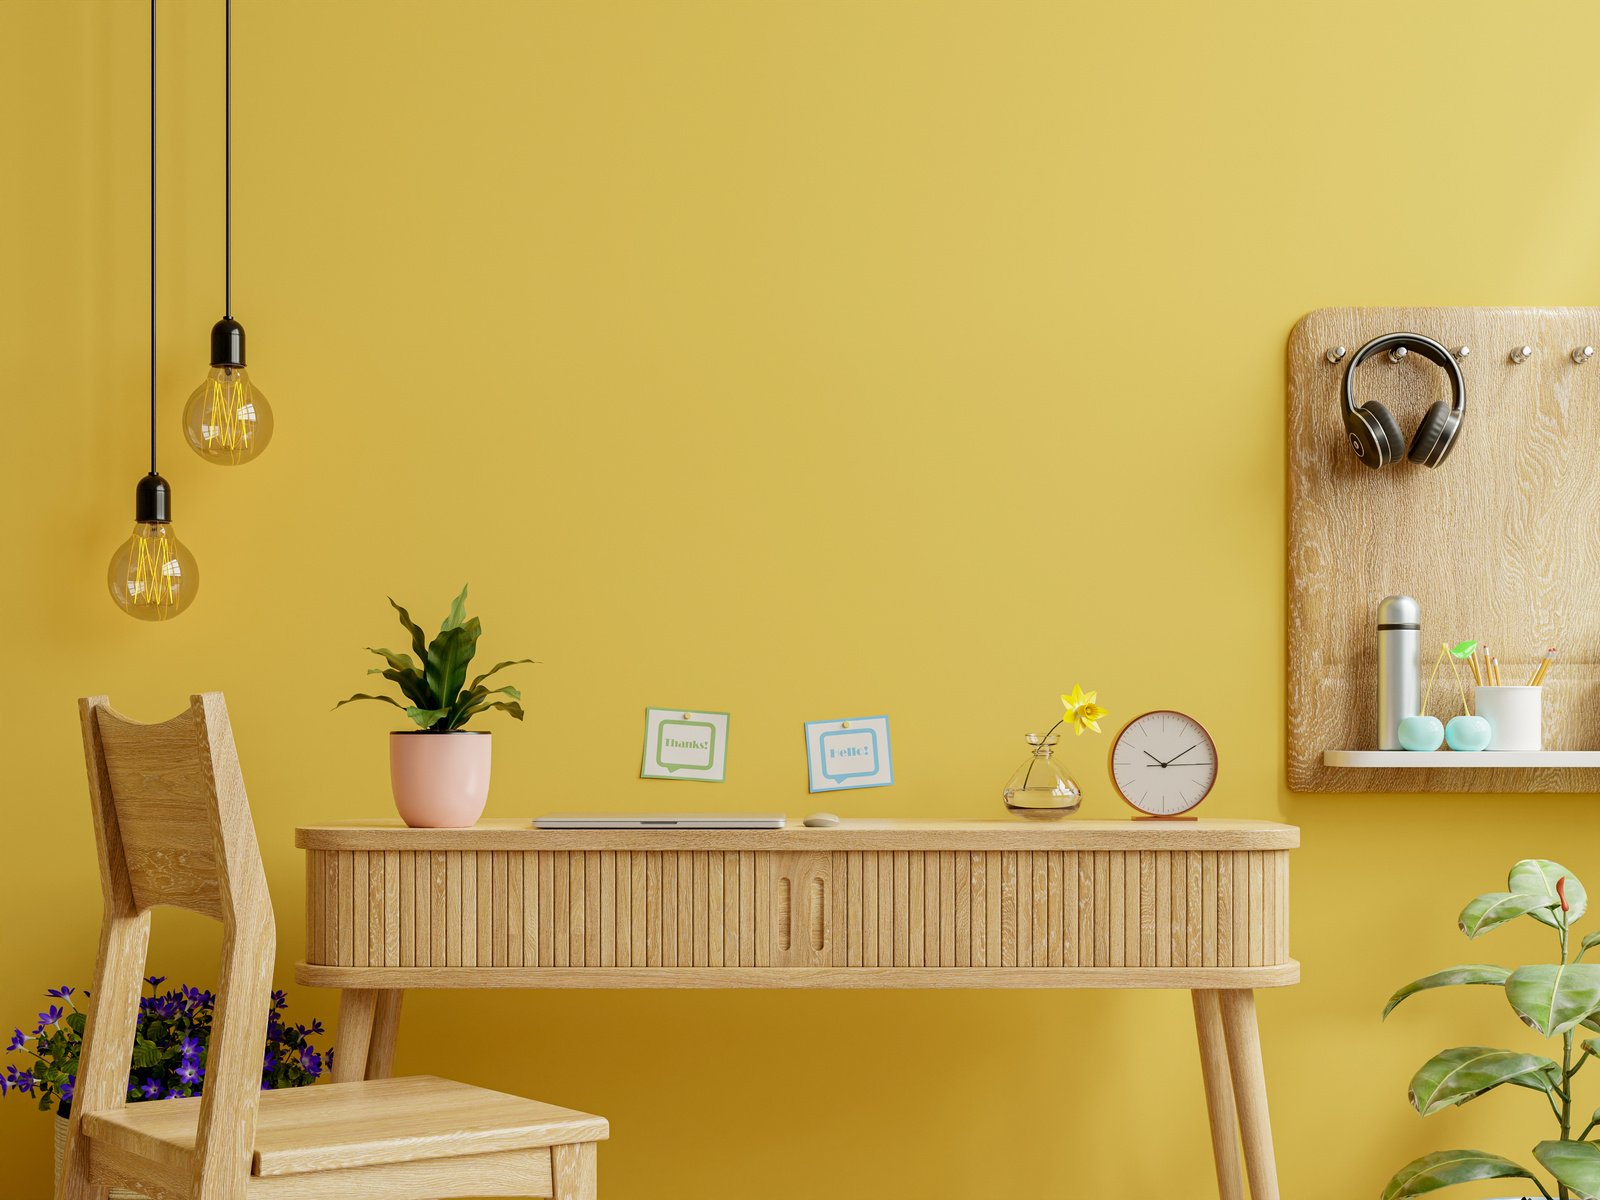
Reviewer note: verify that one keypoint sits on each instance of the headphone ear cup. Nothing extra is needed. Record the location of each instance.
(1366, 437)
(1393, 438)
(1429, 432)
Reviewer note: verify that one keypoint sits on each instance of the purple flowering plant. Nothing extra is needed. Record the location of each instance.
(169, 1048)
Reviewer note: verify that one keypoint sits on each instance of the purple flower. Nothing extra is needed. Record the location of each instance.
(60, 993)
(317, 1027)
(49, 1017)
(23, 1082)
(18, 1041)
(176, 1093)
(190, 1048)
(150, 1089)
(270, 1062)
(280, 999)
(310, 1060)
(67, 1088)
(189, 1072)
(155, 981)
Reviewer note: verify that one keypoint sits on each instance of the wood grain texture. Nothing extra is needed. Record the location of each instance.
(1218, 1083)
(1250, 1091)
(1518, 497)
(511, 833)
(1182, 978)
(714, 911)
(173, 828)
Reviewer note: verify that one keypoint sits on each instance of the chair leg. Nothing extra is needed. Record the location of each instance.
(573, 1170)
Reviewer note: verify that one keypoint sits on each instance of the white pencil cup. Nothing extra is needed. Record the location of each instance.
(1514, 716)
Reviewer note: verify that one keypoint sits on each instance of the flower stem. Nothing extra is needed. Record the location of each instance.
(1029, 774)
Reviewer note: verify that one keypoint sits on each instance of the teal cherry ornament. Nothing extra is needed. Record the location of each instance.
(1468, 733)
(1421, 733)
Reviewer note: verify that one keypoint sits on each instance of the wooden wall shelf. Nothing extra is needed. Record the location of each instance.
(1450, 760)
(1497, 544)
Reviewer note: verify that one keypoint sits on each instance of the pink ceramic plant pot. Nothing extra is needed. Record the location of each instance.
(440, 780)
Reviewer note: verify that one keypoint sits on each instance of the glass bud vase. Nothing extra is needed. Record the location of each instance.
(1039, 788)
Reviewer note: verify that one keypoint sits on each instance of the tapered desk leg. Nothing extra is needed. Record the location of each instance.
(385, 1033)
(1219, 1093)
(1250, 1089)
(357, 1009)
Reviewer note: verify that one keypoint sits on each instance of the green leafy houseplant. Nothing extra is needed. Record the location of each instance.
(1555, 999)
(439, 698)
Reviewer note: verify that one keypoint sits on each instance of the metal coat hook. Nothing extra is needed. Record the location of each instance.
(1461, 353)
(1521, 354)
(1336, 354)
(1582, 354)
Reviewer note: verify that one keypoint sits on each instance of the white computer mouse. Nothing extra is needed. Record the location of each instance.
(821, 821)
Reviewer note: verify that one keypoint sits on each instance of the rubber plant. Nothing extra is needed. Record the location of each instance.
(440, 700)
(1558, 1000)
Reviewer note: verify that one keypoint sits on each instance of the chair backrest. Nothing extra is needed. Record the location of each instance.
(173, 827)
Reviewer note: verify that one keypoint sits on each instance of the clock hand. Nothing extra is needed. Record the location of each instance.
(1154, 759)
(1176, 757)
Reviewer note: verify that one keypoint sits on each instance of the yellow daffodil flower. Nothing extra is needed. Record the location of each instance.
(1082, 711)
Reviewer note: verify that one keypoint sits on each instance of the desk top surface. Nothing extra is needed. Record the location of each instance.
(861, 834)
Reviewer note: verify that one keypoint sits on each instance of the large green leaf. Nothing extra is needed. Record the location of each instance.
(404, 673)
(457, 616)
(1576, 1164)
(499, 666)
(1538, 877)
(426, 718)
(448, 658)
(1448, 1167)
(1589, 943)
(1466, 1072)
(366, 696)
(475, 700)
(419, 640)
(1449, 977)
(1552, 997)
(1493, 909)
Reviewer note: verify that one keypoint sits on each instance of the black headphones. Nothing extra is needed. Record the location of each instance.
(1374, 433)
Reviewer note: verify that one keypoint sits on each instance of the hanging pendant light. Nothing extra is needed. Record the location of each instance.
(152, 575)
(227, 420)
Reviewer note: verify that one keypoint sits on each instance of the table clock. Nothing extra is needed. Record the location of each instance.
(1163, 763)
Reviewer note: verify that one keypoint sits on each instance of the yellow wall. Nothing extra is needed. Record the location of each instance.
(795, 359)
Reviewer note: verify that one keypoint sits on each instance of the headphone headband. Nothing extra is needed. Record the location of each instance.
(1425, 346)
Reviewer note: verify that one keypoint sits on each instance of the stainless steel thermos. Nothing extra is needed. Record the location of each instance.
(1399, 666)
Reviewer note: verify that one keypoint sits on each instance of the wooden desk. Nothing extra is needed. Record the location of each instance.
(1197, 905)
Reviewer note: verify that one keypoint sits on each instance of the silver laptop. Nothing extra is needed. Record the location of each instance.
(660, 821)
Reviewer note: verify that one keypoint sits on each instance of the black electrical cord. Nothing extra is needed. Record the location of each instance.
(227, 161)
(152, 237)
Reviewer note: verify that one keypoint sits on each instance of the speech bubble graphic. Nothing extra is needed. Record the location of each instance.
(849, 753)
(686, 745)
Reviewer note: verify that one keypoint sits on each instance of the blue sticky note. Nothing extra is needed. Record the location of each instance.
(849, 753)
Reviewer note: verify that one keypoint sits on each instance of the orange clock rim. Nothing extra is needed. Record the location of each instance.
(1111, 760)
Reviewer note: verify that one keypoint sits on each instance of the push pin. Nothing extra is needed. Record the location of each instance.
(1336, 354)
(1398, 354)
(1582, 354)
(1462, 352)
(1521, 354)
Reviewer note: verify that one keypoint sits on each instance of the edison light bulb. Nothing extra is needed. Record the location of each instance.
(152, 575)
(227, 420)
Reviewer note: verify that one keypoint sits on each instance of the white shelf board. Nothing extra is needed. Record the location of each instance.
(1481, 760)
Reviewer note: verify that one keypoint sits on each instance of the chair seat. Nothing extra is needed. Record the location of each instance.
(336, 1125)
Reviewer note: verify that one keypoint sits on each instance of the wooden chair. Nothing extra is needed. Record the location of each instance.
(173, 827)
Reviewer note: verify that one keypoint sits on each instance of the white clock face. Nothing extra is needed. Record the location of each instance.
(1164, 763)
